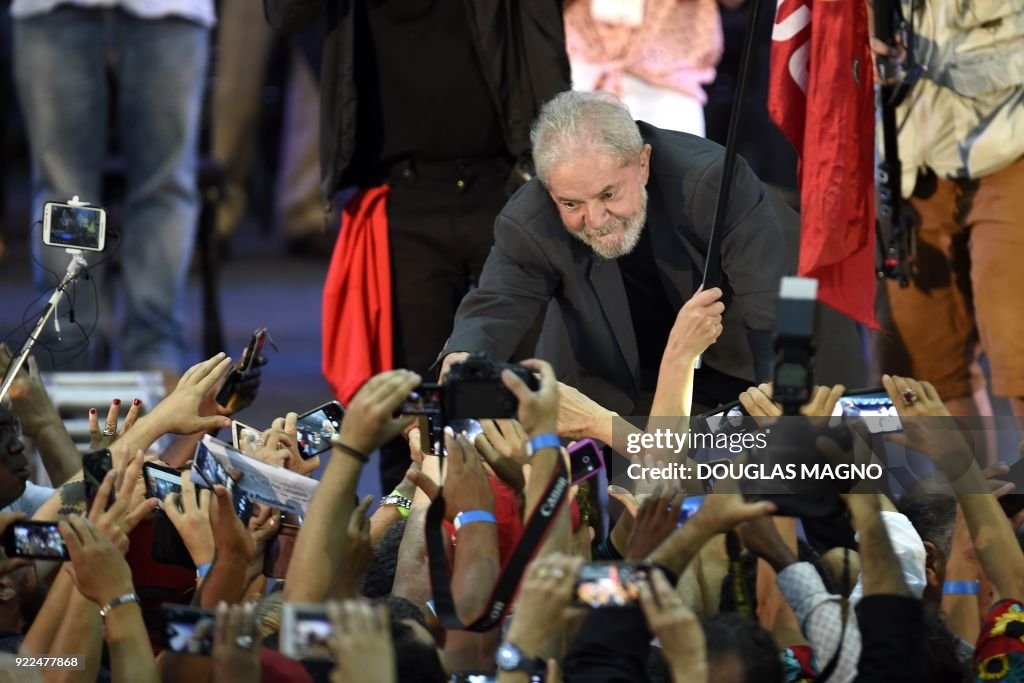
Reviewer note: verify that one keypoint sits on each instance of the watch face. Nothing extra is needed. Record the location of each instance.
(508, 657)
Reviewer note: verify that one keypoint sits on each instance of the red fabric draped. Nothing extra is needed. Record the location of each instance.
(357, 336)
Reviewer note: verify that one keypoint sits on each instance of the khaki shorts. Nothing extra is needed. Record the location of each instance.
(967, 297)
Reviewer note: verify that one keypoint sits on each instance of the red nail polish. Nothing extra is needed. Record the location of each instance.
(92, 411)
(116, 401)
(137, 402)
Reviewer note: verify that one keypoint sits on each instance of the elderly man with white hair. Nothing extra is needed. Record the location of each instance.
(615, 229)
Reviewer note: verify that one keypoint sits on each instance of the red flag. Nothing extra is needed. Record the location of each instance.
(356, 313)
(821, 97)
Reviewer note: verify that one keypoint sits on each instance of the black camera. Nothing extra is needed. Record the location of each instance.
(472, 390)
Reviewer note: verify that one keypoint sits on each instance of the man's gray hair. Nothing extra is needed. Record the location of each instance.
(582, 122)
(932, 514)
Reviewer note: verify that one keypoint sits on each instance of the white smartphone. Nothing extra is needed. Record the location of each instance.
(74, 227)
(245, 438)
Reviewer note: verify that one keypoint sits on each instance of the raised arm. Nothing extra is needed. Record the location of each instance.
(41, 422)
(367, 425)
(994, 540)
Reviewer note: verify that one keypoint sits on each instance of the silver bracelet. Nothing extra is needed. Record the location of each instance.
(120, 600)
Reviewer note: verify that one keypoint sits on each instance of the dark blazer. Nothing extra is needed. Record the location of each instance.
(535, 260)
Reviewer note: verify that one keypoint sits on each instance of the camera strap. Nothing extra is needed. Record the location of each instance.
(535, 530)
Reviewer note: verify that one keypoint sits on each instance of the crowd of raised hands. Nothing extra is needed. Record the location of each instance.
(702, 585)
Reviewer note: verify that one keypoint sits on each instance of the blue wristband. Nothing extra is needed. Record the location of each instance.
(961, 588)
(203, 569)
(549, 440)
(469, 516)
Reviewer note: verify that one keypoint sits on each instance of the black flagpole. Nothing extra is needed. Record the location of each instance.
(760, 342)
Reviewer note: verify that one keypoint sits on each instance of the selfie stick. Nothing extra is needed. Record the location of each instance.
(75, 268)
(713, 264)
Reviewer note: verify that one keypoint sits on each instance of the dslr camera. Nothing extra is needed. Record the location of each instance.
(472, 390)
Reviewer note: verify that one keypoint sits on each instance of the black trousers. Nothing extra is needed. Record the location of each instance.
(441, 229)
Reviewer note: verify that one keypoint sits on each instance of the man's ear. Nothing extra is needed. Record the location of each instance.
(934, 562)
(645, 164)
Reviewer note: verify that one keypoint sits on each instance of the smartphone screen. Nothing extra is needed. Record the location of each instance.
(95, 466)
(305, 631)
(160, 480)
(315, 428)
(585, 460)
(468, 427)
(208, 472)
(872, 404)
(727, 417)
(36, 540)
(76, 227)
(610, 584)
(244, 437)
(188, 630)
(425, 400)
(690, 506)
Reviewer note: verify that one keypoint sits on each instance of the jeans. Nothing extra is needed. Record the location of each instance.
(61, 64)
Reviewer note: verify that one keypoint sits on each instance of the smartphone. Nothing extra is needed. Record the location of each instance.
(251, 352)
(427, 399)
(35, 540)
(585, 460)
(209, 470)
(187, 630)
(95, 465)
(724, 418)
(435, 432)
(244, 437)
(74, 227)
(210, 473)
(610, 584)
(161, 480)
(873, 404)
(315, 428)
(305, 631)
(689, 508)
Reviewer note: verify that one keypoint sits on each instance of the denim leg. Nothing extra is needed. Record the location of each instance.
(161, 69)
(59, 68)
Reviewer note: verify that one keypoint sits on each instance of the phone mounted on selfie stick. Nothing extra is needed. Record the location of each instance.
(75, 268)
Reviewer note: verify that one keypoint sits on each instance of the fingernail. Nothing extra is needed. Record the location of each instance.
(137, 402)
(116, 401)
(92, 411)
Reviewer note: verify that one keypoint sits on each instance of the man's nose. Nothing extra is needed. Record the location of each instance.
(596, 215)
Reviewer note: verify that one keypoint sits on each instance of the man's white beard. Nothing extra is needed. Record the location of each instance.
(627, 229)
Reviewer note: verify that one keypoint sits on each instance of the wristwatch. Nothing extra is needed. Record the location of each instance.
(549, 440)
(510, 658)
(396, 500)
